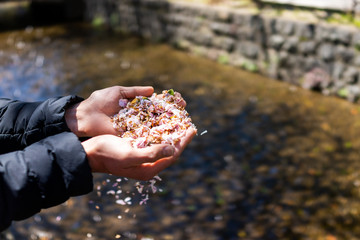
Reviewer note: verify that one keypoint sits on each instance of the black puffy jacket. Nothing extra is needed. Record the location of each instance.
(42, 163)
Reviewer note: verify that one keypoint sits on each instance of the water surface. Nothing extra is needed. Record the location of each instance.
(277, 161)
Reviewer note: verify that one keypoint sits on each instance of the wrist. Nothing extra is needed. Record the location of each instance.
(72, 118)
(91, 149)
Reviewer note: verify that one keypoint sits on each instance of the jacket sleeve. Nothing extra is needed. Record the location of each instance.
(42, 175)
(42, 163)
(24, 123)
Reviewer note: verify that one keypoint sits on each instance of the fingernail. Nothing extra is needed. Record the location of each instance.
(168, 151)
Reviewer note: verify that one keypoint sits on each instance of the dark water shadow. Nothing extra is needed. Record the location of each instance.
(267, 168)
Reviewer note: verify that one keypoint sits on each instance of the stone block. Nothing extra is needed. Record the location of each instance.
(356, 39)
(223, 15)
(248, 49)
(178, 19)
(239, 19)
(309, 63)
(203, 38)
(243, 33)
(337, 85)
(304, 31)
(356, 60)
(224, 43)
(333, 34)
(344, 53)
(273, 60)
(323, 33)
(194, 12)
(285, 60)
(176, 8)
(290, 44)
(326, 52)
(155, 5)
(221, 28)
(353, 93)
(208, 13)
(197, 23)
(248, 20)
(180, 43)
(338, 70)
(351, 75)
(307, 47)
(269, 26)
(285, 27)
(126, 9)
(183, 33)
(340, 35)
(127, 19)
(170, 29)
(276, 41)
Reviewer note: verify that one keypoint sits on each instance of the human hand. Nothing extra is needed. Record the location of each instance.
(115, 155)
(91, 117)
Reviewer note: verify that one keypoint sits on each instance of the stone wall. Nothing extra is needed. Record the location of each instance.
(321, 57)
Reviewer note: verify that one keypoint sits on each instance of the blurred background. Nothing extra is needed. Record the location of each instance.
(276, 161)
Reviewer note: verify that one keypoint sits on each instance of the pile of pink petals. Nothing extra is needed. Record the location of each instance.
(161, 118)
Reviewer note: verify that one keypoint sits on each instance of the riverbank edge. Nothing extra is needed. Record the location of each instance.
(321, 57)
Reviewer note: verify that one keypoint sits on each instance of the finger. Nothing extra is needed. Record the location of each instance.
(118, 92)
(147, 171)
(166, 161)
(132, 92)
(184, 141)
(151, 154)
(107, 128)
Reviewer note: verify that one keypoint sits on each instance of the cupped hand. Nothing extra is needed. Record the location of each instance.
(91, 117)
(115, 155)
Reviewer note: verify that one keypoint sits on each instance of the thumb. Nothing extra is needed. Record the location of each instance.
(131, 92)
(154, 153)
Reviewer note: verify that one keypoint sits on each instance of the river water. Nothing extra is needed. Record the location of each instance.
(277, 161)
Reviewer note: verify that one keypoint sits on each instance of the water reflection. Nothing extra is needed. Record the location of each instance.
(24, 72)
(276, 162)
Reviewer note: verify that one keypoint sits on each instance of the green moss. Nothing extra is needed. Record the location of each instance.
(279, 11)
(98, 21)
(192, 208)
(198, 51)
(357, 23)
(343, 18)
(344, 92)
(114, 19)
(274, 59)
(357, 47)
(303, 39)
(348, 145)
(301, 80)
(182, 44)
(265, 65)
(250, 66)
(329, 148)
(200, 18)
(223, 59)
(219, 198)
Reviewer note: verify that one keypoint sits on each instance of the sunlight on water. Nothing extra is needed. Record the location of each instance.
(271, 161)
(25, 73)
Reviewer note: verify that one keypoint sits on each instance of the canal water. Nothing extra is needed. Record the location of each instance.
(276, 161)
